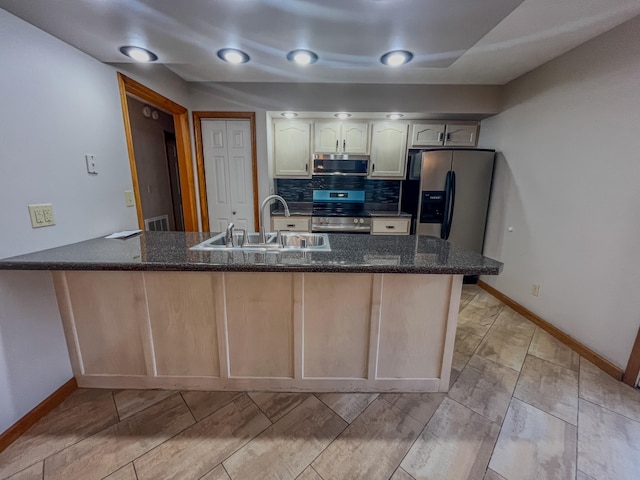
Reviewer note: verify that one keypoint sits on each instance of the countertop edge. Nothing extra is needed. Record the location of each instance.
(205, 267)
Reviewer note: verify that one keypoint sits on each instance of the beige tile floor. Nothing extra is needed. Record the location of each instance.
(521, 406)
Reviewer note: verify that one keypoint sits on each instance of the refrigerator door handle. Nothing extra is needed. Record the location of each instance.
(452, 202)
(444, 228)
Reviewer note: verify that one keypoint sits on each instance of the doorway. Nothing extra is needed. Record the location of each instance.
(227, 169)
(171, 183)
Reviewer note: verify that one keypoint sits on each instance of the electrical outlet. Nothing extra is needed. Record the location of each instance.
(129, 199)
(535, 289)
(42, 215)
(92, 164)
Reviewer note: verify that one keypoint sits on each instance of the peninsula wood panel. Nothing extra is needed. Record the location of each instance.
(107, 310)
(182, 314)
(337, 314)
(413, 320)
(260, 324)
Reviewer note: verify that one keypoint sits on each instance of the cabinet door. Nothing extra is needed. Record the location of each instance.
(389, 149)
(427, 134)
(355, 137)
(291, 148)
(461, 135)
(328, 137)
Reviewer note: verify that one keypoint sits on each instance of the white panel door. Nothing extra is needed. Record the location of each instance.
(228, 173)
(240, 173)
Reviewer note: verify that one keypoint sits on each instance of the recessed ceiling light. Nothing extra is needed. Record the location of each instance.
(289, 114)
(302, 57)
(396, 58)
(394, 116)
(342, 115)
(233, 55)
(138, 54)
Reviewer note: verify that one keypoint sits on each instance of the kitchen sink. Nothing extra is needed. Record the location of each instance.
(286, 241)
(219, 242)
(305, 241)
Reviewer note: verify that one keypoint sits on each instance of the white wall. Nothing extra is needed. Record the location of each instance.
(57, 104)
(568, 181)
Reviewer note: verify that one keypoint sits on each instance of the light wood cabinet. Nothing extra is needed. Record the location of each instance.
(291, 224)
(390, 225)
(277, 331)
(388, 150)
(451, 134)
(292, 148)
(341, 137)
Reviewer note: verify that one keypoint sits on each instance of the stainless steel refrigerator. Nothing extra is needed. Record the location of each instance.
(455, 185)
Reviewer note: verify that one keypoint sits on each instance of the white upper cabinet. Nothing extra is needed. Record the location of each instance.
(388, 149)
(440, 134)
(427, 134)
(341, 137)
(461, 135)
(292, 148)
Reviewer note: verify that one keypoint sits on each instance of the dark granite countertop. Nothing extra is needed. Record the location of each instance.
(349, 253)
(388, 213)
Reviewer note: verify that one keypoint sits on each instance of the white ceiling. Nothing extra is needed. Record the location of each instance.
(454, 41)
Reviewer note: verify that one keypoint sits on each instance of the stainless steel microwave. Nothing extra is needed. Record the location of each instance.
(338, 164)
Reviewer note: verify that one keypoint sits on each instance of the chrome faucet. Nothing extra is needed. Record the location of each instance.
(263, 229)
(228, 236)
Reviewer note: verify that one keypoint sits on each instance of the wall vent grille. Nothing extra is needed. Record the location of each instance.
(157, 224)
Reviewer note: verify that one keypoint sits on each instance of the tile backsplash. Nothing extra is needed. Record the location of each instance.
(301, 189)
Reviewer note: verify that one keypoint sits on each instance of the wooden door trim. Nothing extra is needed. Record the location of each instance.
(197, 130)
(633, 366)
(183, 147)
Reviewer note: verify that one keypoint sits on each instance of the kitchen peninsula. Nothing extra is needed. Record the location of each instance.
(375, 313)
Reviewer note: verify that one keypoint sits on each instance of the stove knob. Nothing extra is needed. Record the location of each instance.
(355, 220)
(362, 220)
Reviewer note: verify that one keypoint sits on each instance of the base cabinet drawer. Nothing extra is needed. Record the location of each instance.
(390, 226)
(290, 224)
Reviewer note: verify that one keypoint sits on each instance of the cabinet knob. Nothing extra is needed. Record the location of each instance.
(306, 167)
(373, 167)
(344, 145)
(440, 136)
(337, 142)
(233, 213)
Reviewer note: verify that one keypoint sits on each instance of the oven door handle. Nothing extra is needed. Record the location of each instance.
(345, 228)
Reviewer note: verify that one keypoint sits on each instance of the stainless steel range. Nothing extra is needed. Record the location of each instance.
(339, 211)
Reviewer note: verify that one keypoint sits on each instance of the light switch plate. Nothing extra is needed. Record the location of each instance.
(129, 199)
(42, 215)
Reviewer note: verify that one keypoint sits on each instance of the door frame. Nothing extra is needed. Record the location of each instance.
(630, 376)
(197, 130)
(183, 145)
